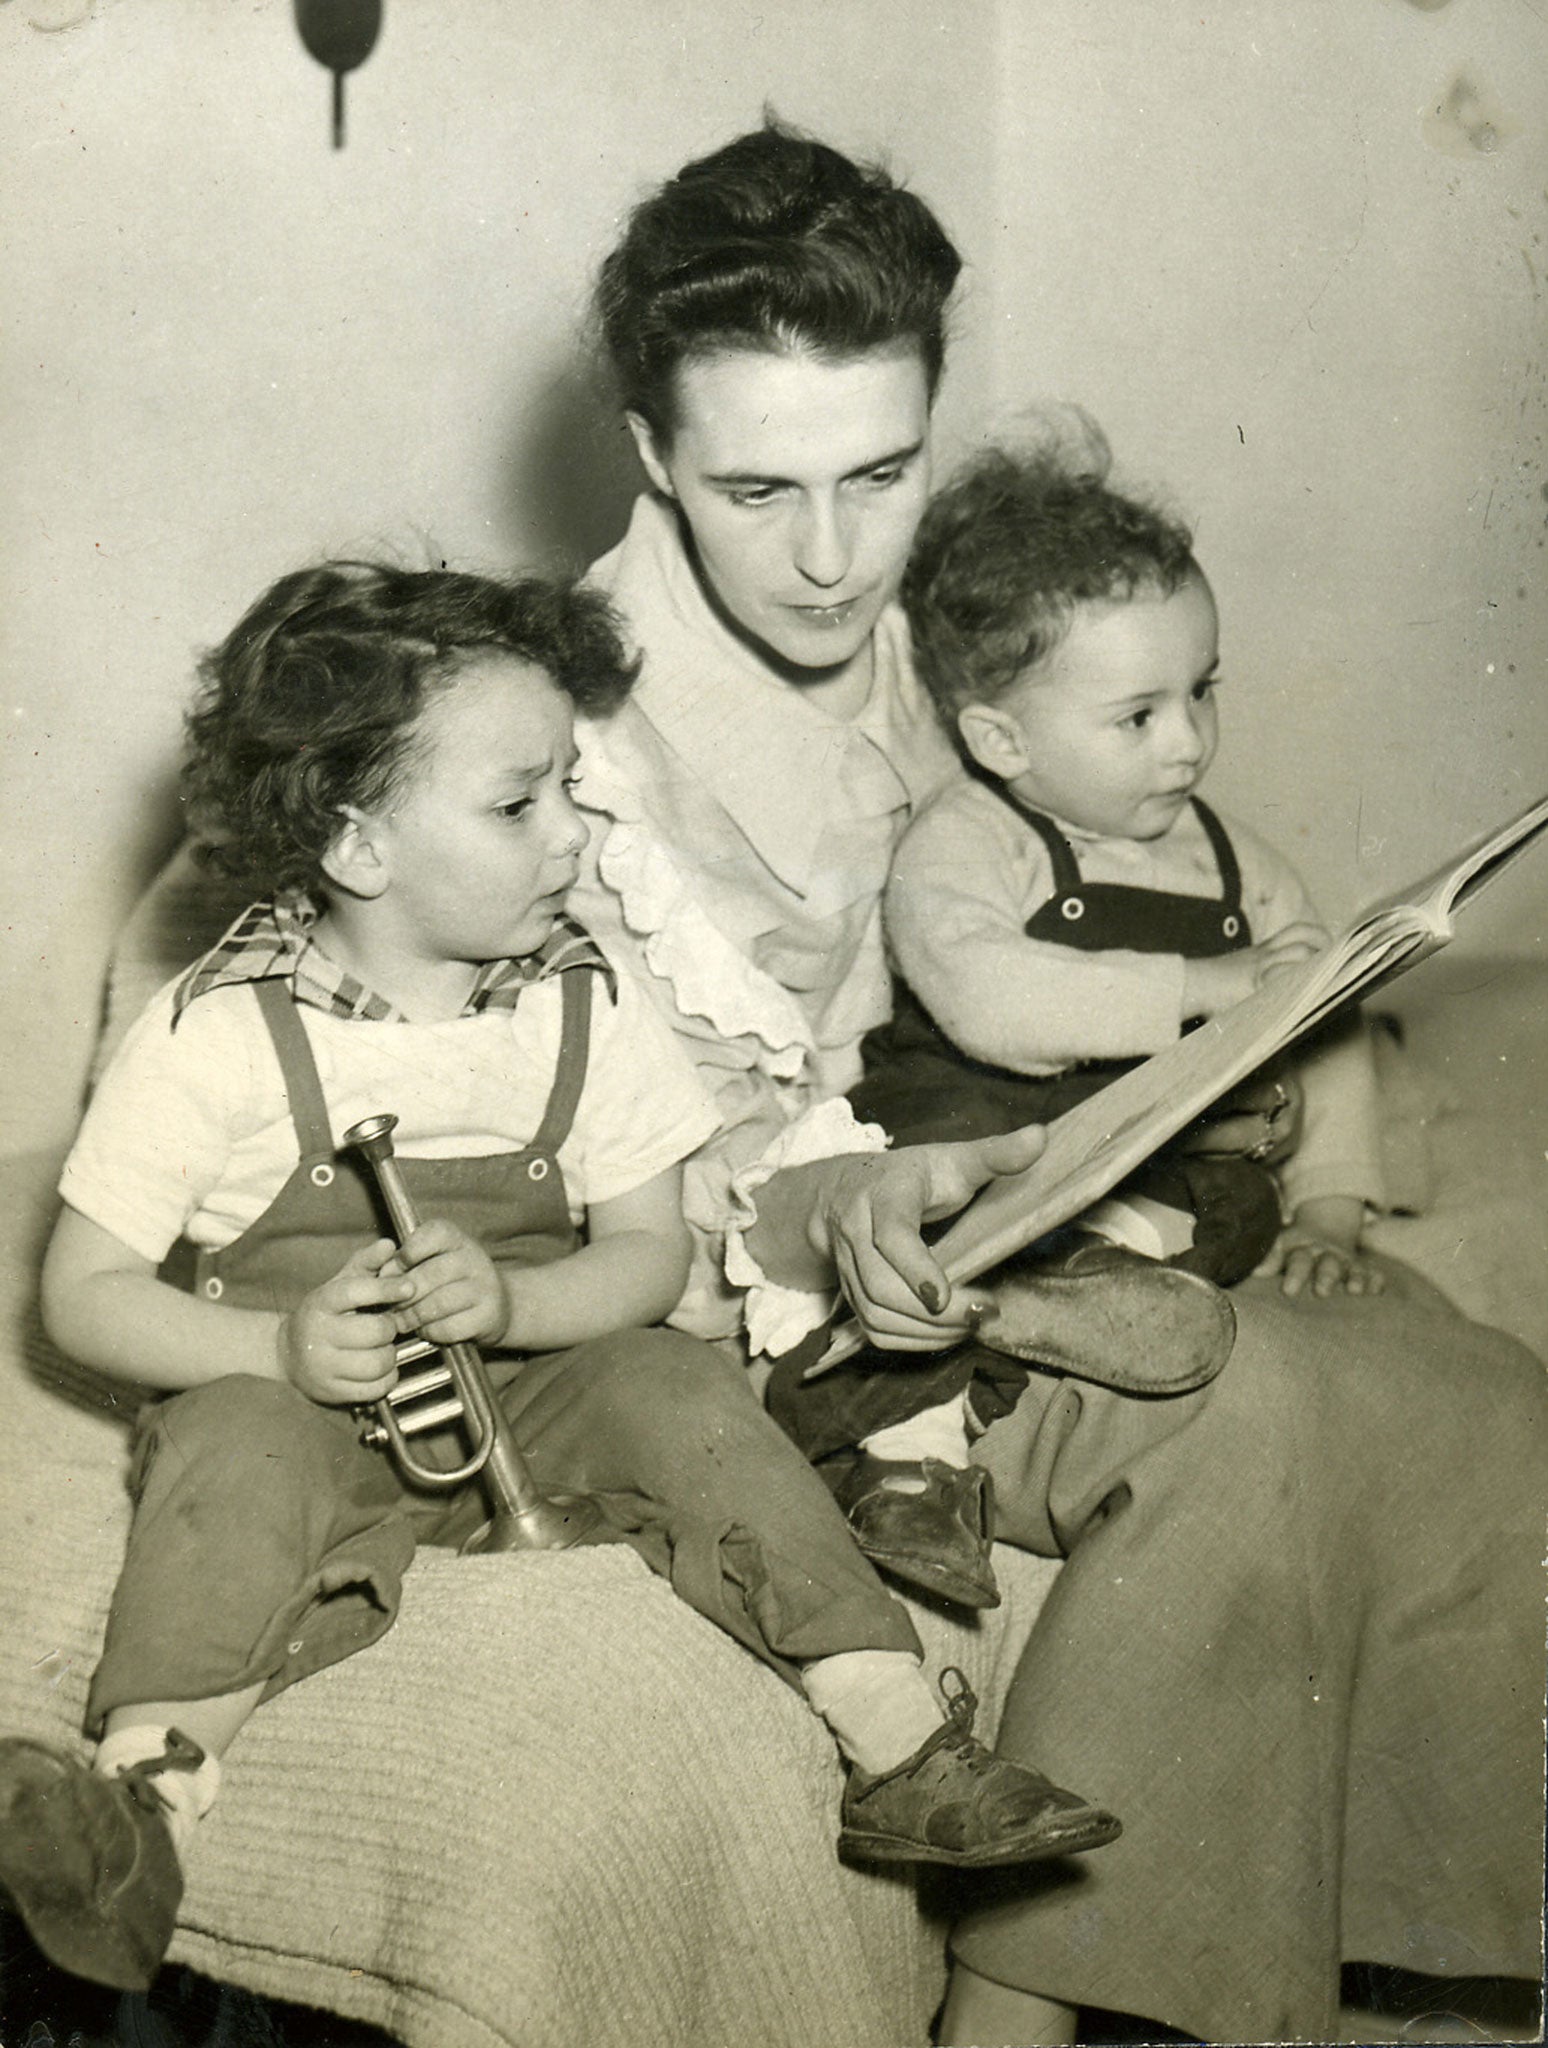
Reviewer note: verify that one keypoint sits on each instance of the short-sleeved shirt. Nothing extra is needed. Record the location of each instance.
(189, 1132)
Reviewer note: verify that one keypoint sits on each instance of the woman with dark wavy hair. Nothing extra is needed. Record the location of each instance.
(1295, 1642)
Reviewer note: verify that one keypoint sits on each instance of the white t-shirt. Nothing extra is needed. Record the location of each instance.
(190, 1134)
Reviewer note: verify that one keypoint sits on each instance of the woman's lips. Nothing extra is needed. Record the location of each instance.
(829, 614)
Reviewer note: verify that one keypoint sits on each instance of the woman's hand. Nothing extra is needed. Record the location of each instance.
(336, 1345)
(866, 1219)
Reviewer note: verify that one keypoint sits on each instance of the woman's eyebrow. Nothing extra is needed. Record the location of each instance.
(743, 478)
(891, 461)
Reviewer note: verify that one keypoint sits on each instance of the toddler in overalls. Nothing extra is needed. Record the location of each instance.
(1067, 909)
(386, 756)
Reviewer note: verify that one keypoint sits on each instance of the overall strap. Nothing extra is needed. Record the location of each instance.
(1225, 855)
(570, 1069)
(1066, 869)
(298, 1068)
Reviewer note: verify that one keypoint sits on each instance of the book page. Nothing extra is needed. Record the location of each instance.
(1097, 1143)
(1457, 880)
(1094, 1146)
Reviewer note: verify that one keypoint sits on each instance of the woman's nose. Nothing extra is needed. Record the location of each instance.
(823, 548)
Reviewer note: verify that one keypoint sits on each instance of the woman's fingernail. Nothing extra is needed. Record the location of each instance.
(930, 1295)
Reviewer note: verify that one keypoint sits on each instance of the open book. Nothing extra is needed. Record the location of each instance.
(1097, 1144)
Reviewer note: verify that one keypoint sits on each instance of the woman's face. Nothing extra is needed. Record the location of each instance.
(802, 481)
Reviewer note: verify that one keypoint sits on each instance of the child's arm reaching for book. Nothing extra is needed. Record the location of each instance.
(628, 1275)
(963, 882)
(1223, 980)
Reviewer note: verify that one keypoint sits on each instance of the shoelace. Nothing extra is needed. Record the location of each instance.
(961, 1700)
(961, 1708)
(180, 1754)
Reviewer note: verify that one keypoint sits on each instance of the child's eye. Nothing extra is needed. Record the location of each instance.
(1205, 688)
(1137, 720)
(518, 807)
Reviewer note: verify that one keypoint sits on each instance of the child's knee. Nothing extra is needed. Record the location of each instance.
(656, 1373)
(241, 1431)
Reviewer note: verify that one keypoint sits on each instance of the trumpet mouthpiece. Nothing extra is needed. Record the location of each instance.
(371, 1130)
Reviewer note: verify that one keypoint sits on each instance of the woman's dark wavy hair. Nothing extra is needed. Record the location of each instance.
(773, 242)
(310, 704)
(1009, 548)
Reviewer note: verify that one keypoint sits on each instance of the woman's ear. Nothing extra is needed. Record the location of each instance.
(356, 860)
(994, 738)
(650, 453)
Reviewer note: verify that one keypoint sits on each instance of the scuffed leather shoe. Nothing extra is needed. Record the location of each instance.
(927, 1523)
(88, 1863)
(1104, 1314)
(954, 1802)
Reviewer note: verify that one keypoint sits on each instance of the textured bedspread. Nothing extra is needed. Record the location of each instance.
(554, 1806)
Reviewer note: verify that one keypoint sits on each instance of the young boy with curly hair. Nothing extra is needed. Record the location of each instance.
(385, 757)
(1068, 908)
(1075, 905)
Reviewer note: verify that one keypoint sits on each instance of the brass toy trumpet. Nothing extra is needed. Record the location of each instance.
(523, 1517)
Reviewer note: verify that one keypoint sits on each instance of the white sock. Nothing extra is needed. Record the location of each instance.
(939, 1432)
(187, 1795)
(878, 1703)
(1153, 1229)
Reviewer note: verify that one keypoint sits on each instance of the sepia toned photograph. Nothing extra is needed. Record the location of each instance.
(786, 772)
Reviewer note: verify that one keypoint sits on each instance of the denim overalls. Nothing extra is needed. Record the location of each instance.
(269, 1541)
(922, 1089)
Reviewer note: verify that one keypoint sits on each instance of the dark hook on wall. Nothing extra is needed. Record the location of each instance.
(340, 34)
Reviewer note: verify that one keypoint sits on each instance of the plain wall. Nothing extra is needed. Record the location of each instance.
(232, 349)
(1292, 258)
(1299, 299)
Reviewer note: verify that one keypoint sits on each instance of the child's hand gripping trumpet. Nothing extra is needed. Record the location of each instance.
(524, 1518)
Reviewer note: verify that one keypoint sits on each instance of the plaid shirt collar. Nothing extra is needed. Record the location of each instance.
(273, 942)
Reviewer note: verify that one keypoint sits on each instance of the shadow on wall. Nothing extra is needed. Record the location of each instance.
(570, 473)
(161, 825)
(567, 479)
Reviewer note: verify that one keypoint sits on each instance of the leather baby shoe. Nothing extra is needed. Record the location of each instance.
(1105, 1314)
(88, 1863)
(925, 1522)
(955, 1802)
